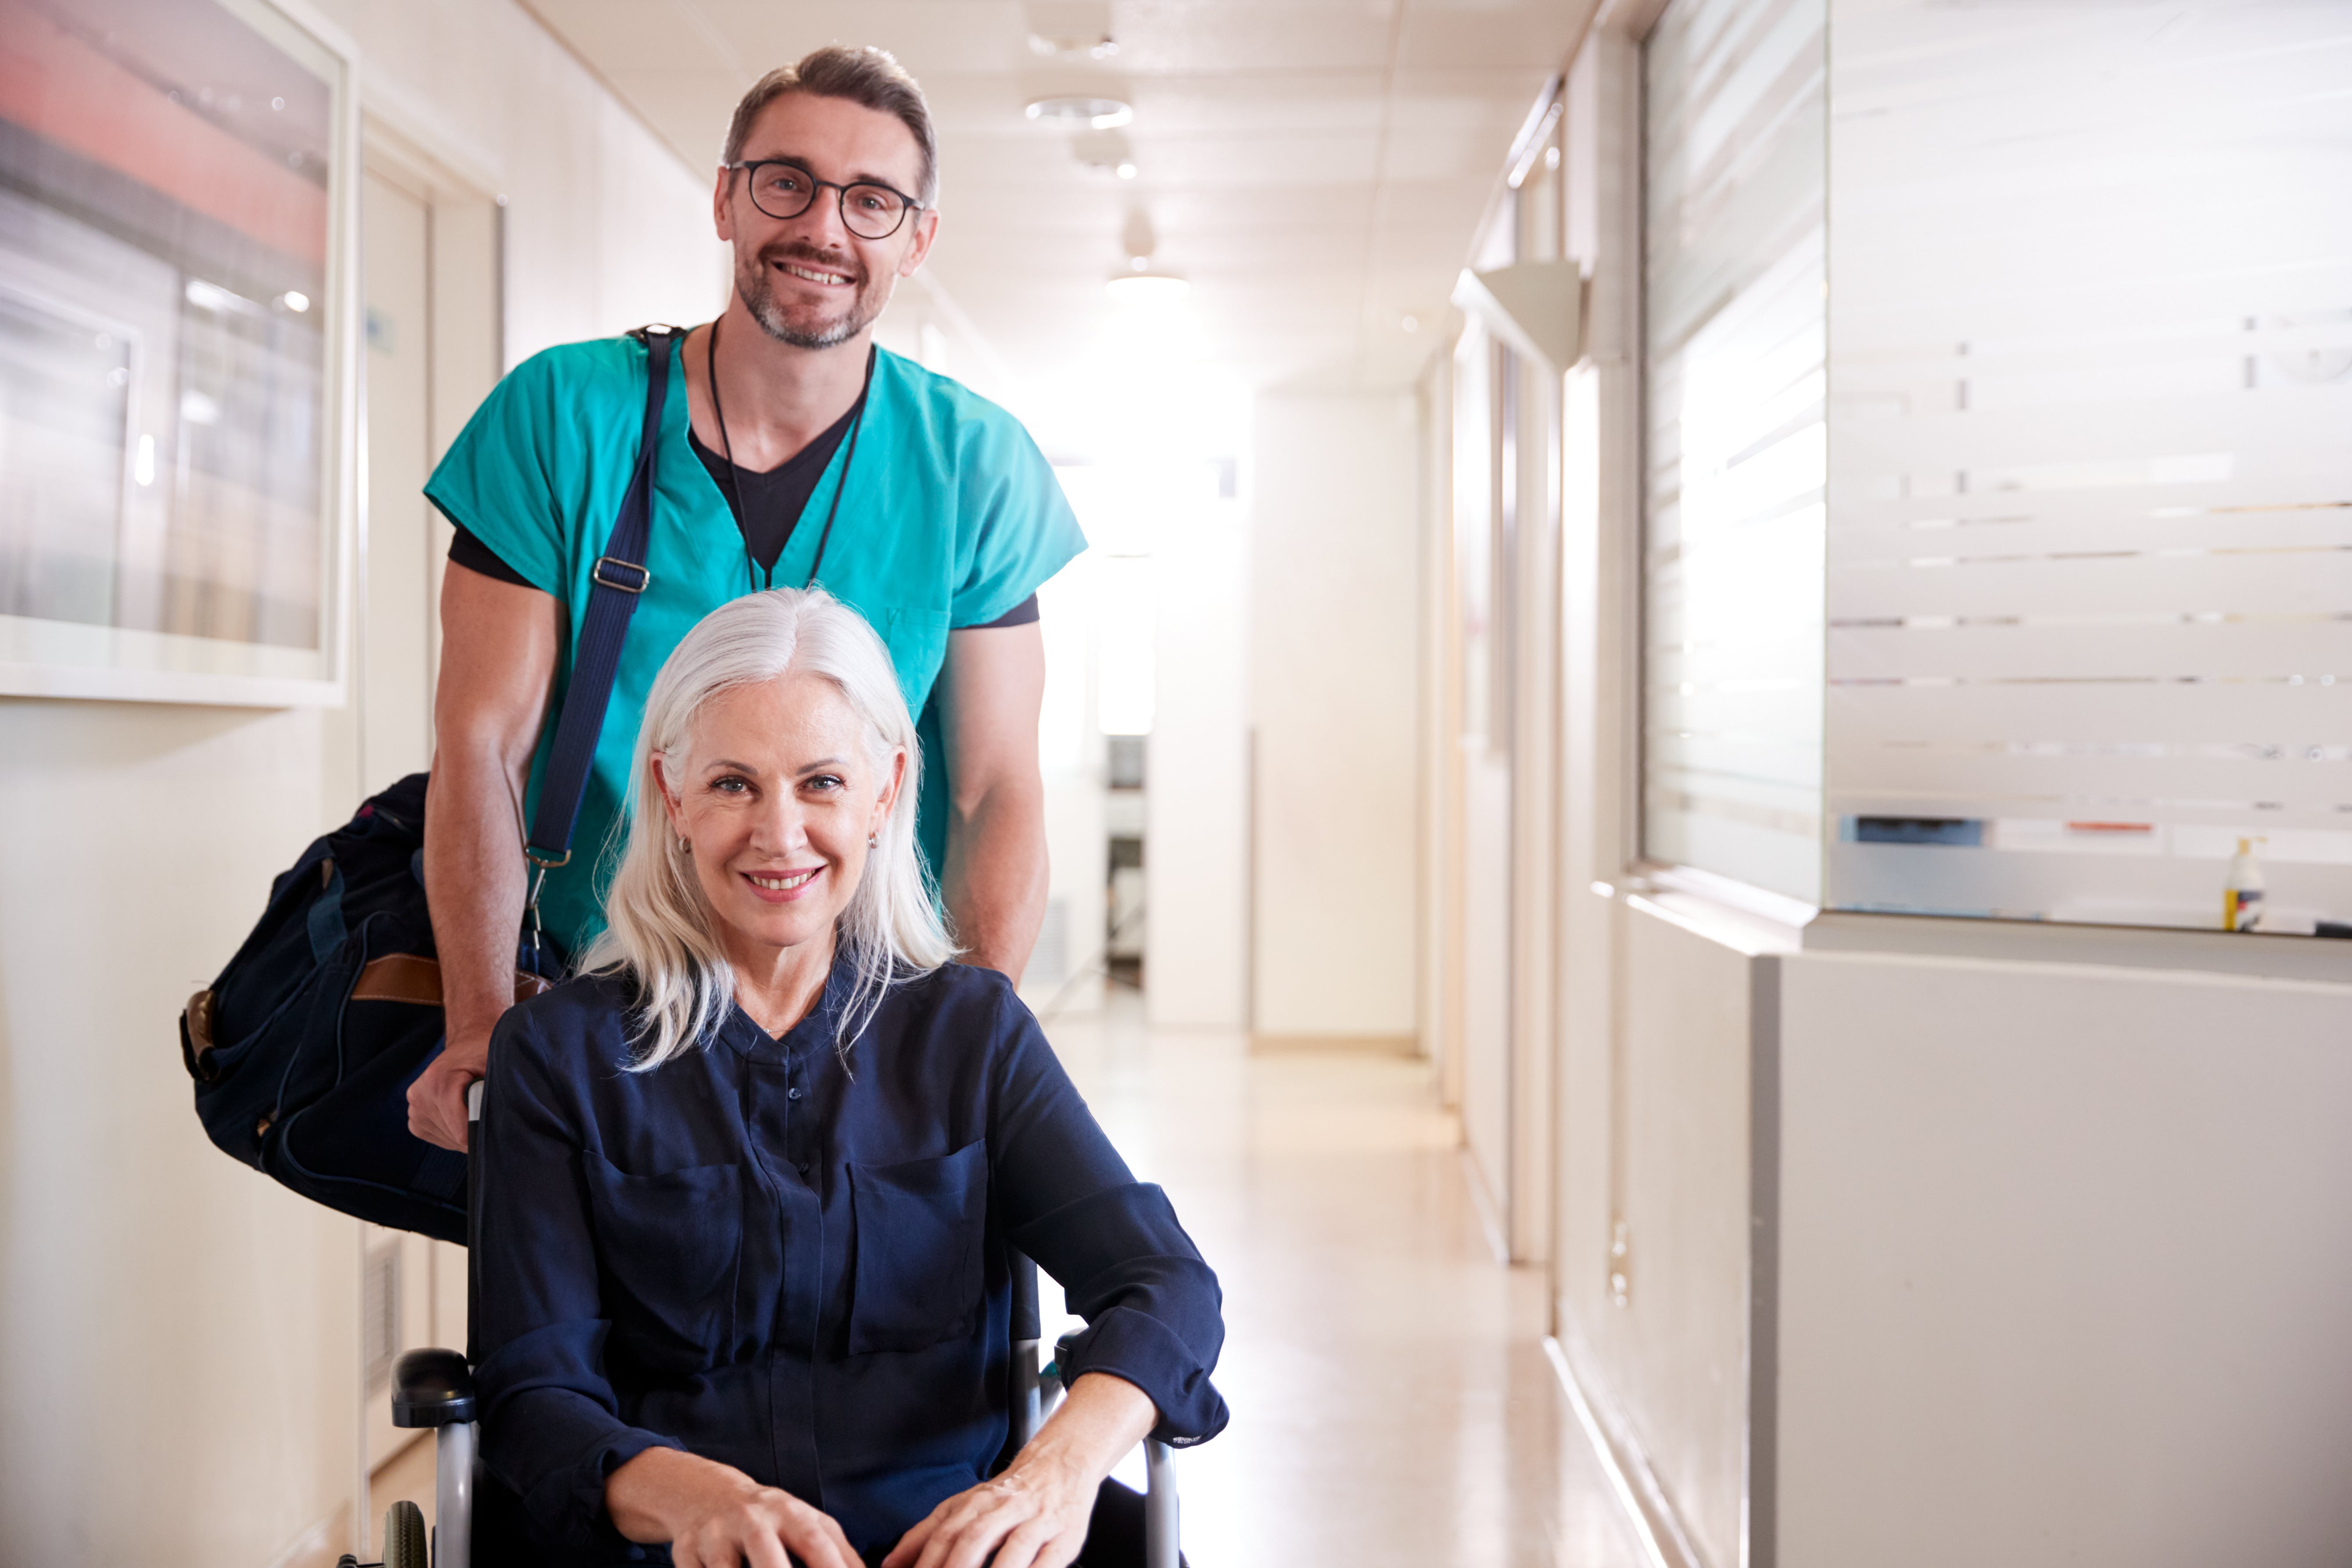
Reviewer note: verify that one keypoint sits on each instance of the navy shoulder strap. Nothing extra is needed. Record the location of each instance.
(619, 576)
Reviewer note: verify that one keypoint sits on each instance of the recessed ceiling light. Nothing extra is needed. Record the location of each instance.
(1102, 113)
(1127, 170)
(1094, 49)
(1148, 288)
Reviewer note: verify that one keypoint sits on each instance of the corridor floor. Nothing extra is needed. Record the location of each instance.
(1391, 1403)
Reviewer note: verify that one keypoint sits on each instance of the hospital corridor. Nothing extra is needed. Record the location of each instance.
(1139, 783)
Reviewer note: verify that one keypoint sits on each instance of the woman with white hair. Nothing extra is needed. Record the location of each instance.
(751, 1182)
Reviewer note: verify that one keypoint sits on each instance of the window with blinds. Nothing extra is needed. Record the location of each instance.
(1733, 385)
(2090, 538)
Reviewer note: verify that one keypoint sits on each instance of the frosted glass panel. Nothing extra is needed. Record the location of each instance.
(2090, 542)
(1734, 375)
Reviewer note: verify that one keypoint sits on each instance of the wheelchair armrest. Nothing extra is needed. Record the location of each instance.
(432, 1388)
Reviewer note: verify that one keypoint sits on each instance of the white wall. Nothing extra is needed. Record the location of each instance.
(174, 1327)
(178, 1336)
(1196, 799)
(1333, 689)
(605, 229)
(1065, 973)
(2048, 1259)
(1679, 1343)
(1654, 1289)
(2064, 1266)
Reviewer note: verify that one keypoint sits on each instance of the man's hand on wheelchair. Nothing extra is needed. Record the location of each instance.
(715, 1516)
(436, 1101)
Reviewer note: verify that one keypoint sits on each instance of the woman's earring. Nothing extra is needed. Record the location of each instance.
(685, 845)
(874, 841)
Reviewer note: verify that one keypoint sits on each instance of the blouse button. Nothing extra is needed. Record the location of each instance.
(792, 1094)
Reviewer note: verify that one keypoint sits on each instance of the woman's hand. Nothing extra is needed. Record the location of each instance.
(1034, 1515)
(1030, 1517)
(715, 1516)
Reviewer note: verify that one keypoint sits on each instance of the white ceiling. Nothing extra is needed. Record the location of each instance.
(1317, 168)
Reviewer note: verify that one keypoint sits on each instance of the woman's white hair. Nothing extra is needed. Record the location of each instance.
(658, 926)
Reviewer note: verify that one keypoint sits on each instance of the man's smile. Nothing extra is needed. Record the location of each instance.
(815, 275)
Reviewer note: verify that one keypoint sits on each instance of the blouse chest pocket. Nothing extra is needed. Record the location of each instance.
(670, 1246)
(919, 1275)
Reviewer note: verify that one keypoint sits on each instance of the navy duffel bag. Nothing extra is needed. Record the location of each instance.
(304, 1048)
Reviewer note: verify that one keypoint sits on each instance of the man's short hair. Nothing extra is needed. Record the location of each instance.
(867, 76)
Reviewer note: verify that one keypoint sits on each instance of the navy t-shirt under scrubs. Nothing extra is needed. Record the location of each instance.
(949, 517)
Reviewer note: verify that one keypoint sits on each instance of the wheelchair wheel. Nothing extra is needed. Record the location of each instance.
(404, 1536)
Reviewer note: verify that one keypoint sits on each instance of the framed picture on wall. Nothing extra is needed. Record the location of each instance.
(178, 409)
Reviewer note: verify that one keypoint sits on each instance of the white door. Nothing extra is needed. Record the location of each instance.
(1482, 575)
(391, 677)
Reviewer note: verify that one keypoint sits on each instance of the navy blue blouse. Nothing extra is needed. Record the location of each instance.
(797, 1268)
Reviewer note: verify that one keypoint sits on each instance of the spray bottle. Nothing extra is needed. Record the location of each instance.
(2242, 895)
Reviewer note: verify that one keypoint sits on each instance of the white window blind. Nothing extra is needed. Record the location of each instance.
(1733, 384)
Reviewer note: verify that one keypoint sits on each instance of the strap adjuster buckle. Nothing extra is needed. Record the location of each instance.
(544, 862)
(611, 572)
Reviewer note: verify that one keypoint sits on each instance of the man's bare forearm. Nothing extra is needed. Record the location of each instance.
(497, 660)
(996, 875)
(994, 879)
(474, 868)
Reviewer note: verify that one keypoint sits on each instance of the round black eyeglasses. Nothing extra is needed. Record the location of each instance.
(869, 209)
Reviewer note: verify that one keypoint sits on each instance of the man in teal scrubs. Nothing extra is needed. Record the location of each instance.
(792, 450)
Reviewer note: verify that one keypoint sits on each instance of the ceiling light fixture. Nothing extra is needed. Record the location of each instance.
(1148, 288)
(1096, 48)
(1101, 114)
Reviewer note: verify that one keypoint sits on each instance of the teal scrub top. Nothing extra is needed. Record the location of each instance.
(950, 517)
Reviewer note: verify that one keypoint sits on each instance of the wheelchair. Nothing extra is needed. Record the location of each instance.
(435, 1389)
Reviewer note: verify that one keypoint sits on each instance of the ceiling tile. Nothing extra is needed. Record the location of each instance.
(1217, 209)
(1248, 36)
(649, 32)
(1526, 37)
(930, 38)
(1274, 102)
(1241, 162)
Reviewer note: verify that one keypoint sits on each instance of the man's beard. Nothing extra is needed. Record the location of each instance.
(752, 284)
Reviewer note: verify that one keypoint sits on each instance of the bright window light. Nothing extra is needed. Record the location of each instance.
(1123, 695)
(1066, 607)
(1153, 288)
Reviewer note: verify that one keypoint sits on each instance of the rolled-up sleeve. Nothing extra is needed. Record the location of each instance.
(497, 479)
(1153, 1309)
(552, 1429)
